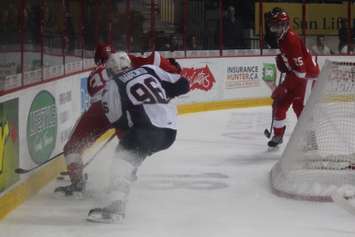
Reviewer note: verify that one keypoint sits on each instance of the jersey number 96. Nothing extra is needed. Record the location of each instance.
(146, 90)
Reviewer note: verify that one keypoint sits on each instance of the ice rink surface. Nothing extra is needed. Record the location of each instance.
(213, 182)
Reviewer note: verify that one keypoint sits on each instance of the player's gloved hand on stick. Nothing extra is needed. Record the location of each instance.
(281, 65)
(279, 92)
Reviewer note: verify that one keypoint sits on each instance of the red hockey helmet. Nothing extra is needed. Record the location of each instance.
(279, 22)
(102, 53)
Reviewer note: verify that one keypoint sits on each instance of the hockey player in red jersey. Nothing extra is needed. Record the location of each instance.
(296, 61)
(155, 58)
(92, 123)
(90, 126)
(136, 100)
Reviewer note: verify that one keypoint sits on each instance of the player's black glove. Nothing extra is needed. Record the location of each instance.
(175, 63)
(182, 86)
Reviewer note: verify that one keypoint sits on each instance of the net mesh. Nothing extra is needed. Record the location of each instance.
(320, 155)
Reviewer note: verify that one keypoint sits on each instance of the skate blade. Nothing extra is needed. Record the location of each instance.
(273, 149)
(75, 196)
(63, 176)
(99, 219)
(63, 179)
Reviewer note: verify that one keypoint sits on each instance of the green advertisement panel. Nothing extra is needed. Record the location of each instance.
(42, 127)
(9, 143)
(269, 74)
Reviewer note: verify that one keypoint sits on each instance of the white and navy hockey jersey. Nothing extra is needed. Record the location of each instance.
(140, 97)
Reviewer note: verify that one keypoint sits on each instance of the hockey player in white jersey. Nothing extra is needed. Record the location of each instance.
(93, 123)
(136, 101)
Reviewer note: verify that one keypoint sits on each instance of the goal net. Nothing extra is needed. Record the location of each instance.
(320, 155)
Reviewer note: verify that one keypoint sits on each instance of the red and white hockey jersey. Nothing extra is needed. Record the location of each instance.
(297, 57)
(96, 82)
(153, 59)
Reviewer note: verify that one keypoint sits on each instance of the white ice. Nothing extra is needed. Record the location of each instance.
(213, 182)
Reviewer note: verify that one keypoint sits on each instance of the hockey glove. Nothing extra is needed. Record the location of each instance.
(175, 64)
(281, 64)
(178, 88)
(279, 92)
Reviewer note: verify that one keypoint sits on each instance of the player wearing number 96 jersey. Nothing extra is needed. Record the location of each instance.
(99, 76)
(301, 70)
(136, 100)
(93, 123)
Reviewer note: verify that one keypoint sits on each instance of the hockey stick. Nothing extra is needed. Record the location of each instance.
(94, 156)
(24, 171)
(267, 132)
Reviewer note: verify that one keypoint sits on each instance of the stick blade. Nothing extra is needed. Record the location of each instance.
(267, 133)
(20, 171)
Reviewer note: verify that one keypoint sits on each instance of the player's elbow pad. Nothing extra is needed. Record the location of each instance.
(180, 87)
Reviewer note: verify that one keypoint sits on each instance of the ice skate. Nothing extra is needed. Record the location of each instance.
(77, 178)
(76, 190)
(274, 143)
(65, 178)
(113, 213)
